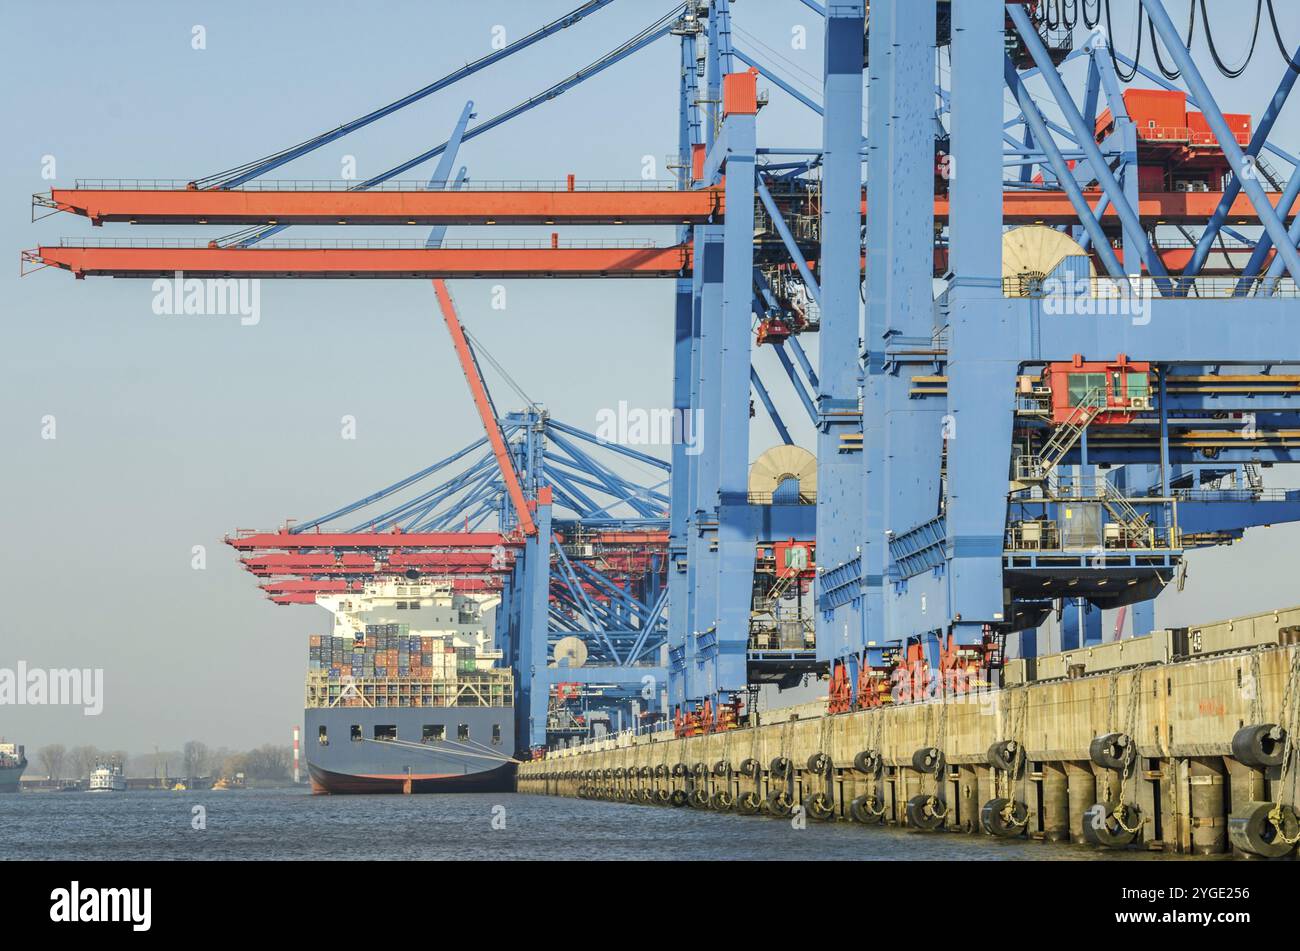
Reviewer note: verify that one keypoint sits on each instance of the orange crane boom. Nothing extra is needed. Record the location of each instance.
(478, 390)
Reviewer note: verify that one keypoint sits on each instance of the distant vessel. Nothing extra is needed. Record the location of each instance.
(13, 760)
(107, 779)
(408, 695)
(234, 782)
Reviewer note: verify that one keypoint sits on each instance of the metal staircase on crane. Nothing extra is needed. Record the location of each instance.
(1032, 469)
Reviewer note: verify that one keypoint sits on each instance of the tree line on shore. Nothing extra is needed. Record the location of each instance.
(266, 763)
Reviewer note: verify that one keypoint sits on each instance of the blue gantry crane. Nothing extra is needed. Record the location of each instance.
(1051, 352)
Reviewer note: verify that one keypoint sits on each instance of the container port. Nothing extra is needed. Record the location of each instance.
(1145, 743)
(1022, 321)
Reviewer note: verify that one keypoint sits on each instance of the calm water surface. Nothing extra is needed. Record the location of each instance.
(291, 824)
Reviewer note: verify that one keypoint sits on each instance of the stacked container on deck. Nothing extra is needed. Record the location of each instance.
(388, 651)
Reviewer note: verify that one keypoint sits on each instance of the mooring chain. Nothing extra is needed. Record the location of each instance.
(940, 736)
(1257, 692)
(1018, 719)
(1130, 763)
(823, 730)
(1112, 709)
(1289, 720)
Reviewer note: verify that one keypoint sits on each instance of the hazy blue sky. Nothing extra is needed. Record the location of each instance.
(171, 432)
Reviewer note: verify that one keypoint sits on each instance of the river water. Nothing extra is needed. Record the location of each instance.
(292, 824)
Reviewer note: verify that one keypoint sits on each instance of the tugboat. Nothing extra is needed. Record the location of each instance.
(13, 761)
(235, 782)
(107, 779)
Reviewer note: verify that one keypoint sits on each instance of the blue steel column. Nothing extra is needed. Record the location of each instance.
(878, 284)
(702, 561)
(725, 652)
(535, 596)
(680, 496)
(1080, 624)
(840, 522)
(983, 341)
(685, 392)
(900, 304)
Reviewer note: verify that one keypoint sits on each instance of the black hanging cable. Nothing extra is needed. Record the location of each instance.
(1090, 21)
(1277, 35)
(1173, 74)
(1231, 72)
(1137, 54)
(1070, 21)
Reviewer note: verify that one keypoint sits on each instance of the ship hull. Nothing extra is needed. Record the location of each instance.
(9, 777)
(412, 763)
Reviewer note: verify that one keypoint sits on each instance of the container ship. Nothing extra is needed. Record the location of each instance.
(13, 760)
(407, 694)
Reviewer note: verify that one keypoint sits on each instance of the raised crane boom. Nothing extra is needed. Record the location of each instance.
(483, 403)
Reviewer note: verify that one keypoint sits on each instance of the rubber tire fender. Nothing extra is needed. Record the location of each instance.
(722, 800)
(779, 804)
(678, 798)
(928, 759)
(921, 816)
(995, 823)
(721, 768)
(1104, 834)
(699, 799)
(860, 810)
(1004, 755)
(780, 767)
(1254, 746)
(749, 767)
(819, 763)
(820, 807)
(1112, 750)
(679, 770)
(1250, 830)
(868, 762)
(748, 804)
